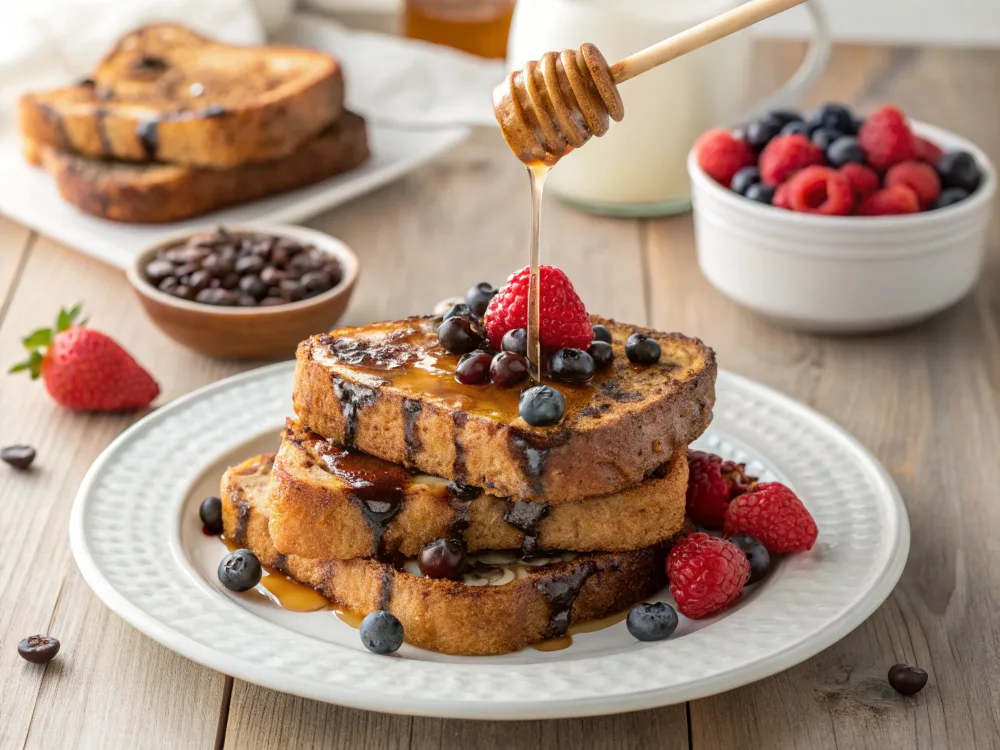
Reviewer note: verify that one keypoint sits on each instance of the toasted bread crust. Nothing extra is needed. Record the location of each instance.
(443, 615)
(201, 103)
(353, 386)
(159, 193)
(317, 513)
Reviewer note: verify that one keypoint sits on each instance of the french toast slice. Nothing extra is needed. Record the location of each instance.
(328, 502)
(527, 604)
(389, 390)
(167, 94)
(157, 193)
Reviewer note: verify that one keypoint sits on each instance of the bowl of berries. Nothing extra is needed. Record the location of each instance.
(828, 222)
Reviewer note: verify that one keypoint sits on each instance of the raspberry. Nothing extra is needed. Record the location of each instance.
(712, 483)
(863, 180)
(562, 319)
(821, 190)
(774, 516)
(721, 155)
(786, 155)
(781, 197)
(927, 151)
(890, 201)
(706, 574)
(886, 138)
(921, 178)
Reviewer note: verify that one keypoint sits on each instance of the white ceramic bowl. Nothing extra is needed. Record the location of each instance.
(842, 274)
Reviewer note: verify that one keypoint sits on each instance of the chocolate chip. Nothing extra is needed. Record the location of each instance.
(18, 456)
(159, 269)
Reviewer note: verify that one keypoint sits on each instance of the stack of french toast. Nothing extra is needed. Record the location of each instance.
(172, 125)
(538, 528)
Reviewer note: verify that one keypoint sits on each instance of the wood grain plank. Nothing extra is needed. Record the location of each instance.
(109, 681)
(15, 242)
(432, 235)
(925, 400)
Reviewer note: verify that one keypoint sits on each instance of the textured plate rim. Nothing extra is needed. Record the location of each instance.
(879, 589)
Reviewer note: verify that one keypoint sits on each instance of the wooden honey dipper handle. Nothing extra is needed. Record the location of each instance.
(704, 33)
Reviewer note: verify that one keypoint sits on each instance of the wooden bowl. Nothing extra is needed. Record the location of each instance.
(247, 332)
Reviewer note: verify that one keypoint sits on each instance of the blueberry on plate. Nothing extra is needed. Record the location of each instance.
(602, 333)
(743, 179)
(381, 632)
(949, 197)
(824, 137)
(542, 405)
(833, 116)
(602, 354)
(515, 340)
(761, 193)
(795, 127)
(240, 570)
(572, 366)
(958, 169)
(459, 310)
(210, 513)
(473, 368)
(461, 335)
(508, 369)
(760, 132)
(845, 150)
(478, 297)
(757, 554)
(642, 350)
(651, 622)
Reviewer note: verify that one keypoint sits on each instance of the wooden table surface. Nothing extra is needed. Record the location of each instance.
(925, 400)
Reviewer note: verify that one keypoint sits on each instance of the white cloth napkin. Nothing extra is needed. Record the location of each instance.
(391, 80)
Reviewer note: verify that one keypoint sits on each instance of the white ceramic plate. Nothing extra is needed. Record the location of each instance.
(28, 195)
(137, 539)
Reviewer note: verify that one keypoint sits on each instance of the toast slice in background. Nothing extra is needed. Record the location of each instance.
(167, 94)
(388, 389)
(327, 502)
(526, 603)
(156, 193)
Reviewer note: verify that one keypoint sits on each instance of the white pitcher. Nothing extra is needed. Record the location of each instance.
(638, 167)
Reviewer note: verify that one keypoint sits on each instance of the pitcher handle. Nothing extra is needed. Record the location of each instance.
(809, 70)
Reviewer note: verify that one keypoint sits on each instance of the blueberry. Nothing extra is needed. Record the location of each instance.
(473, 368)
(602, 333)
(508, 369)
(958, 169)
(743, 179)
(761, 193)
(949, 197)
(795, 127)
(443, 558)
(845, 150)
(240, 570)
(651, 622)
(824, 137)
(602, 354)
(461, 335)
(833, 117)
(757, 554)
(478, 297)
(786, 116)
(542, 405)
(906, 679)
(642, 350)
(515, 340)
(459, 310)
(572, 366)
(381, 632)
(760, 132)
(211, 514)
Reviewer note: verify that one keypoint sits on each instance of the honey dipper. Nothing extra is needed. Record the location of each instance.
(555, 104)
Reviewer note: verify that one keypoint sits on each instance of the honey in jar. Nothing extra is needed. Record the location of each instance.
(476, 26)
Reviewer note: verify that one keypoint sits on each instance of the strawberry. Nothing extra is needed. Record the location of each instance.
(86, 370)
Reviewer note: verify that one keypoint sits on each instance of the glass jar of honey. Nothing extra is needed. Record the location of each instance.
(476, 26)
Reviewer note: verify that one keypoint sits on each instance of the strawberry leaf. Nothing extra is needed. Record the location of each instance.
(41, 337)
(64, 320)
(33, 364)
